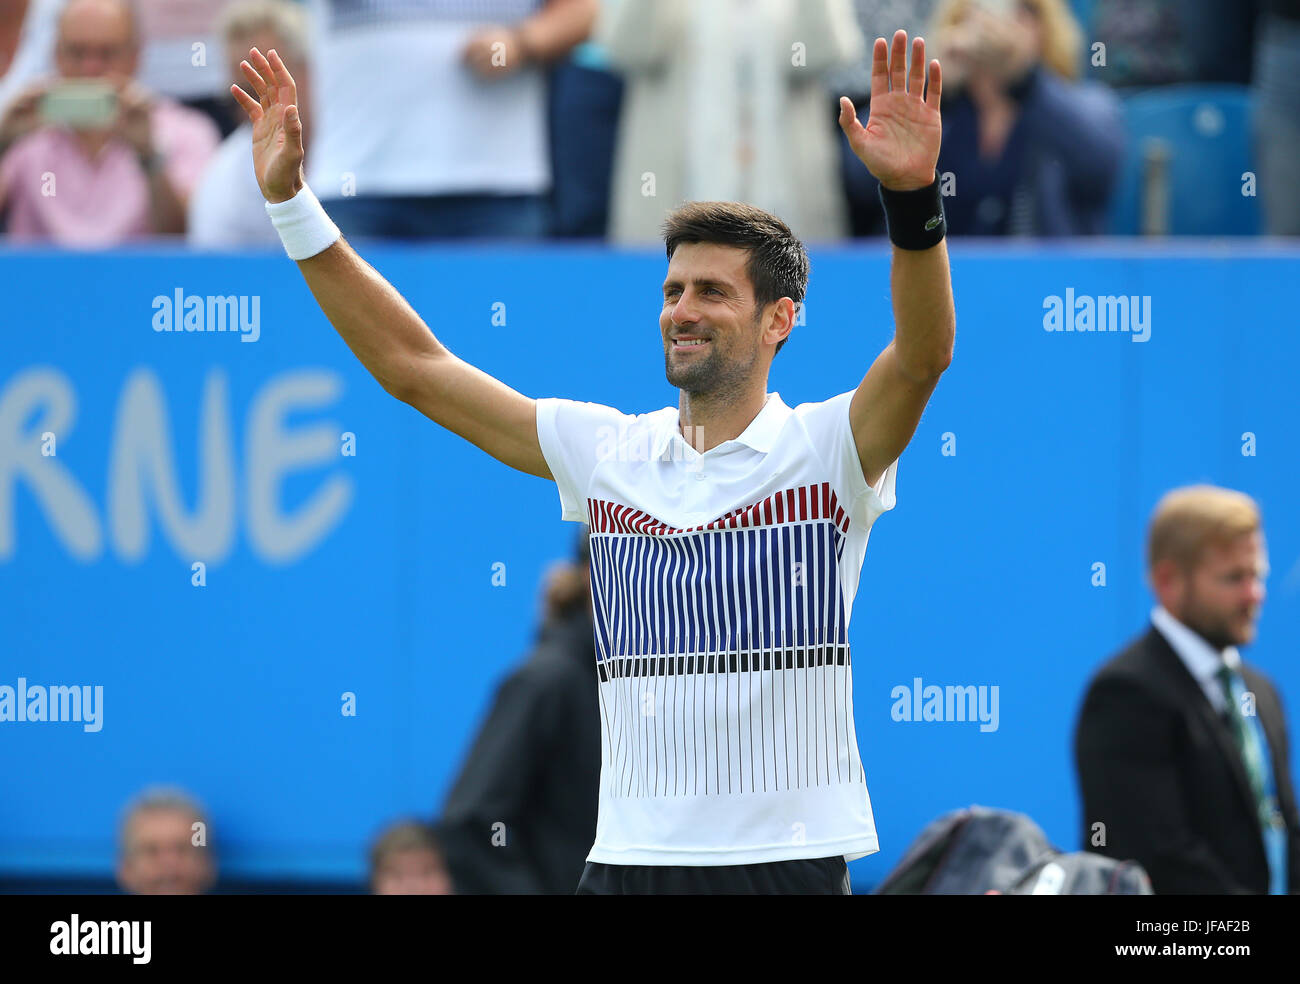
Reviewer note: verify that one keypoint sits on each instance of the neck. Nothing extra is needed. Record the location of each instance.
(708, 419)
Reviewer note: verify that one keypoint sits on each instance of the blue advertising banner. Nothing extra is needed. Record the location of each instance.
(276, 586)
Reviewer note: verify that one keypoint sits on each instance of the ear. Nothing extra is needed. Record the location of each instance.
(782, 319)
(1167, 577)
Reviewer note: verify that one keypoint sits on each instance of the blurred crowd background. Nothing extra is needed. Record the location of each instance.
(533, 119)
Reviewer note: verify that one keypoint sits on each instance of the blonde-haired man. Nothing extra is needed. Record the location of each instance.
(1181, 748)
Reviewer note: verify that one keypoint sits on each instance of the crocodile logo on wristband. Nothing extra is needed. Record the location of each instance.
(933, 223)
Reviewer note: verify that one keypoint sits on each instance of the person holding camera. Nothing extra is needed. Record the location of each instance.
(91, 158)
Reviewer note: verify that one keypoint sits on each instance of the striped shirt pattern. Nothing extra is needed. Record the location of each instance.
(723, 584)
(722, 650)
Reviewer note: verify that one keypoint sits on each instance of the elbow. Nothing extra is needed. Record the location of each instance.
(396, 389)
(410, 377)
(398, 380)
(932, 365)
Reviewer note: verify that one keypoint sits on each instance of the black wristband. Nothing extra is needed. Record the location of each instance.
(915, 218)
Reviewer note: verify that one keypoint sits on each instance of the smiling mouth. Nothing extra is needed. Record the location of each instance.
(679, 344)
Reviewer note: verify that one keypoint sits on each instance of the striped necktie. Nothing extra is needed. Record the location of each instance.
(1253, 746)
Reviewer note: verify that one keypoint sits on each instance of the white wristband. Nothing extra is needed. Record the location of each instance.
(303, 226)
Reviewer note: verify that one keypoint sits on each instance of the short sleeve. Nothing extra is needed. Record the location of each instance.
(831, 431)
(573, 436)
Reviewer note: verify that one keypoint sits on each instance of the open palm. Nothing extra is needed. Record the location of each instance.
(277, 128)
(900, 143)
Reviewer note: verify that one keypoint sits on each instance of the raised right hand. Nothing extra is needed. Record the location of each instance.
(277, 128)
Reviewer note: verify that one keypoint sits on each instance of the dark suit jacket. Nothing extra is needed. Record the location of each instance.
(534, 766)
(1160, 768)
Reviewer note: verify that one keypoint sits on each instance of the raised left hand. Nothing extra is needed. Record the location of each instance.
(900, 143)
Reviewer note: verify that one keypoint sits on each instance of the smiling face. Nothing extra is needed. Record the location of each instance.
(716, 339)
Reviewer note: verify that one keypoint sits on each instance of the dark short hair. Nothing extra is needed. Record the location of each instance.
(778, 263)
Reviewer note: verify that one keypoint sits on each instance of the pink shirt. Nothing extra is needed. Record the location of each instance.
(52, 191)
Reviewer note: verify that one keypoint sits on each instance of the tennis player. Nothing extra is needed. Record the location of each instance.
(727, 532)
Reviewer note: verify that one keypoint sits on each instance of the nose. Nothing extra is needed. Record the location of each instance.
(684, 311)
(1258, 592)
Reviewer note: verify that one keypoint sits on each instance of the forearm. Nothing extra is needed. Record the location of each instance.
(166, 210)
(924, 316)
(379, 326)
(555, 29)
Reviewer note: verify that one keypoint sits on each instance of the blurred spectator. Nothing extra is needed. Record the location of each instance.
(725, 101)
(406, 859)
(876, 18)
(1277, 116)
(431, 114)
(1167, 42)
(180, 56)
(164, 846)
(1181, 747)
(228, 208)
(1029, 151)
(584, 105)
(27, 29)
(521, 817)
(93, 158)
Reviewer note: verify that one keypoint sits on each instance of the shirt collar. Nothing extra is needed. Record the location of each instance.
(1203, 661)
(760, 435)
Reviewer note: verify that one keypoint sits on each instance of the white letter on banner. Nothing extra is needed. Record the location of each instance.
(70, 511)
(142, 456)
(274, 451)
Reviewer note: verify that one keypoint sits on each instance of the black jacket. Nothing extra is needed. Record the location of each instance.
(1160, 768)
(534, 768)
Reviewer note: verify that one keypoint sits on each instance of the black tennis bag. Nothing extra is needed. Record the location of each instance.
(979, 851)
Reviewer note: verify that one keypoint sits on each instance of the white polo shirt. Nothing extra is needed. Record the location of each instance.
(722, 586)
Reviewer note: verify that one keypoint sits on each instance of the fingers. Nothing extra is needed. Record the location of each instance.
(283, 78)
(879, 68)
(255, 80)
(249, 105)
(898, 62)
(265, 74)
(935, 89)
(889, 68)
(259, 62)
(916, 77)
(848, 115)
